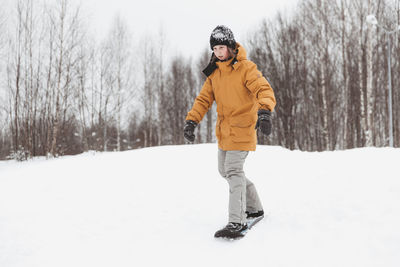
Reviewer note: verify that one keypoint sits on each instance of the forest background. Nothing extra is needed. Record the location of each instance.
(62, 92)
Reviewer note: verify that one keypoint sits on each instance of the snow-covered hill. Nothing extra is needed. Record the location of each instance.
(161, 207)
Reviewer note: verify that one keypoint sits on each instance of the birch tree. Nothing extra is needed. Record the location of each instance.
(370, 96)
(122, 55)
(66, 27)
(150, 67)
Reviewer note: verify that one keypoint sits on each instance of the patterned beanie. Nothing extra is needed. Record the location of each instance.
(222, 35)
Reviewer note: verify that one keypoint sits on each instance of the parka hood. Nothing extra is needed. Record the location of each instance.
(242, 54)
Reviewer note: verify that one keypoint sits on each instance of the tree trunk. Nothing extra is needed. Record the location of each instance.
(370, 96)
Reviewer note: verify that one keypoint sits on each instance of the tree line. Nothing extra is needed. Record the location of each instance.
(63, 92)
(330, 69)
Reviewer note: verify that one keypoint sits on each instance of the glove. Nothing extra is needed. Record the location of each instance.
(264, 121)
(188, 130)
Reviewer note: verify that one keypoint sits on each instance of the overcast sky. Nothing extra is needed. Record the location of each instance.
(187, 23)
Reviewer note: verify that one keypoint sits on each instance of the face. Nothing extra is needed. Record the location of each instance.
(221, 52)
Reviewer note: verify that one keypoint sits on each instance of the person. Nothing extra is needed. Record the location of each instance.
(244, 101)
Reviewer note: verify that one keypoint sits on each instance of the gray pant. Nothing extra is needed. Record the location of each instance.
(242, 192)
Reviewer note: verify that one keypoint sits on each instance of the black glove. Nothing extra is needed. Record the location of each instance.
(188, 130)
(264, 121)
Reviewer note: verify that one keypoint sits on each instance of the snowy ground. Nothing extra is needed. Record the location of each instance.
(161, 207)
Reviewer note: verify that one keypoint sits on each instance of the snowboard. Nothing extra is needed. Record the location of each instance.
(250, 223)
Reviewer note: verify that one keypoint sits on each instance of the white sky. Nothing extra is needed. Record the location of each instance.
(186, 23)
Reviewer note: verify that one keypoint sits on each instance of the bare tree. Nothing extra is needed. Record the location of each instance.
(154, 94)
(86, 56)
(180, 90)
(121, 54)
(161, 45)
(106, 88)
(369, 90)
(3, 110)
(117, 86)
(66, 31)
(14, 76)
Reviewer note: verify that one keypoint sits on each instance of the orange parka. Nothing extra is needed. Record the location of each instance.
(240, 90)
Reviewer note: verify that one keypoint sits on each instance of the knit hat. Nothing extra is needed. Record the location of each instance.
(222, 35)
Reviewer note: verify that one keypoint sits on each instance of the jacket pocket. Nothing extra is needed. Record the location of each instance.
(242, 128)
(242, 134)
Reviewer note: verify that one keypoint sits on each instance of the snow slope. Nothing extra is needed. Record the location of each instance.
(161, 206)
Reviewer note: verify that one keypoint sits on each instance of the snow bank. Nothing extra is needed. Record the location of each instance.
(161, 206)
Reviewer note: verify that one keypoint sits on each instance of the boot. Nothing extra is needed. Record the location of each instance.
(253, 215)
(232, 230)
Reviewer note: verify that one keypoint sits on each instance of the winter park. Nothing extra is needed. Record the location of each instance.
(215, 134)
